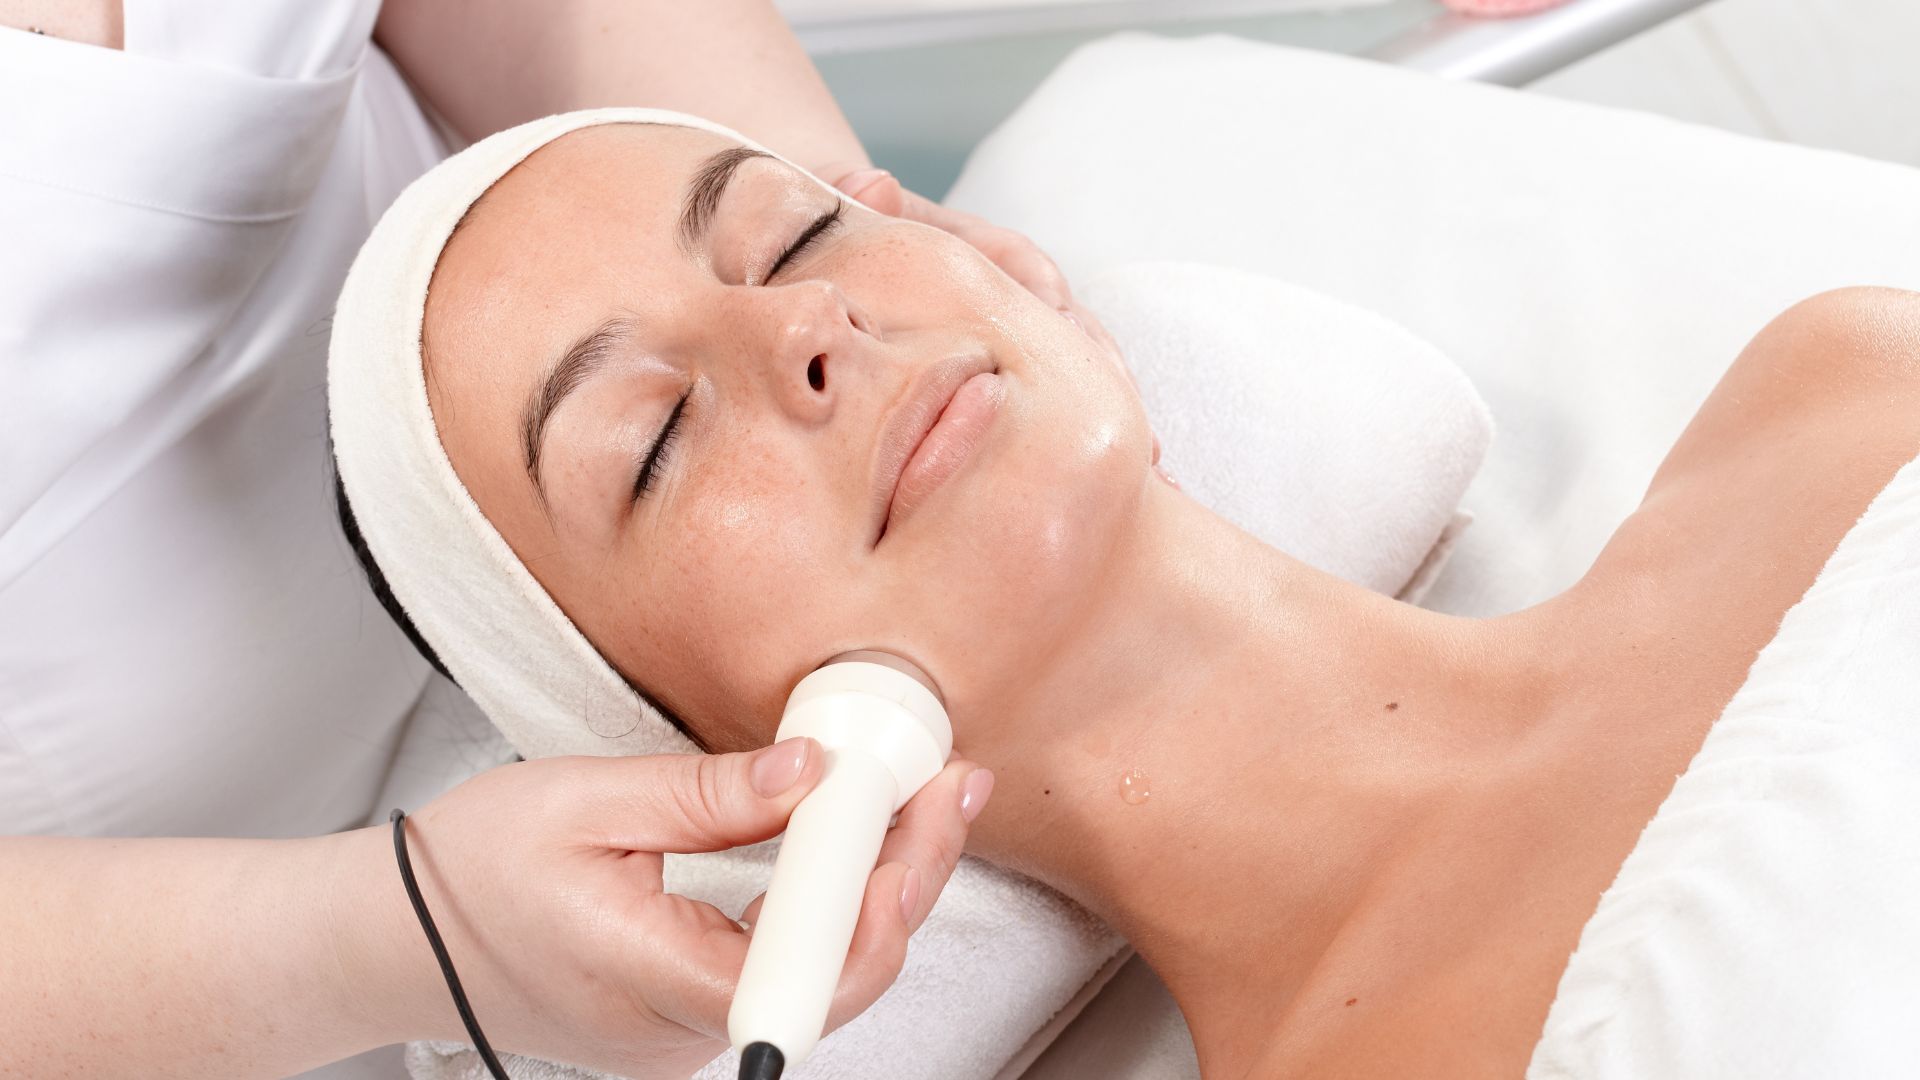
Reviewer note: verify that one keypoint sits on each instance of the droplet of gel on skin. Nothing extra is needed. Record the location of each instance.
(1135, 787)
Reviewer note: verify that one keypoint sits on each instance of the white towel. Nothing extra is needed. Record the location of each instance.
(1334, 431)
(1320, 427)
(1767, 924)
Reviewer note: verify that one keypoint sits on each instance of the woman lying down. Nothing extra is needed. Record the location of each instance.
(679, 379)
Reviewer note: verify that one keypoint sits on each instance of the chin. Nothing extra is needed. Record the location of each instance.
(1029, 532)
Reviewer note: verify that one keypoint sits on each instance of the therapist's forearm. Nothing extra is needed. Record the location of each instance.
(195, 957)
(485, 65)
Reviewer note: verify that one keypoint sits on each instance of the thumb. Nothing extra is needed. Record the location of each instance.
(697, 802)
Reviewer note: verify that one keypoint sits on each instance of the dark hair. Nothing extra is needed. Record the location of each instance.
(383, 592)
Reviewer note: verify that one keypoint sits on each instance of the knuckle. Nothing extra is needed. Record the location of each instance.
(940, 849)
(881, 966)
(891, 958)
(949, 844)
(703, 797)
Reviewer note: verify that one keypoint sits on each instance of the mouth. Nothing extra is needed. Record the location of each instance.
(917, 451)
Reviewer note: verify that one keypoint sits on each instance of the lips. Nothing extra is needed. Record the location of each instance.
(907, 425)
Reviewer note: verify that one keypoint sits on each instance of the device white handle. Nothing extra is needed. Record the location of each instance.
(812, 905)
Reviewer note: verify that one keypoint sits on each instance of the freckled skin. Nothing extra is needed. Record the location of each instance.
(748, 563)
(1302, 849)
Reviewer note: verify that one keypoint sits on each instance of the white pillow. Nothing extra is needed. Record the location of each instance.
(1322, 428)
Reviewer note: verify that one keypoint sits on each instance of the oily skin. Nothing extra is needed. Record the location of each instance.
(1374, 832)
(750, 560)
(1083, 616)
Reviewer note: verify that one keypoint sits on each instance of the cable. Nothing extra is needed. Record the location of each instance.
(762, 1061)
(759, 1061)
(446, 962)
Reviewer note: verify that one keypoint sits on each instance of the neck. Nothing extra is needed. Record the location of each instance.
(1232, 748)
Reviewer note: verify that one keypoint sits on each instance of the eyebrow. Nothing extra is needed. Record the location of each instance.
(704, 191)
(576, 365)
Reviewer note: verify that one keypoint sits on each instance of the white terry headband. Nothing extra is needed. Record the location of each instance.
(500, 635)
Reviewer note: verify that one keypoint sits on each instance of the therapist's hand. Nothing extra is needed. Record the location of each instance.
(544, 877)
(1013, 252)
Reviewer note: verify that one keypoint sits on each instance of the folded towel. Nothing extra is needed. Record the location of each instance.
(1766, 924)
(1321, 428)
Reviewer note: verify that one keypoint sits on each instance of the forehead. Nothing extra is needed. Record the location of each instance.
(581, 229)
(584, 227)
(592, 192)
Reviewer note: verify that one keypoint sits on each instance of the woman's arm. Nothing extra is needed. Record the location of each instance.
(204, 957)
(486, 65)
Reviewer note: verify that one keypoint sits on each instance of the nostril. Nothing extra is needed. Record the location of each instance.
(817, 373)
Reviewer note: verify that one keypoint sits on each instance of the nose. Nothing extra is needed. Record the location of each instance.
(801, 334)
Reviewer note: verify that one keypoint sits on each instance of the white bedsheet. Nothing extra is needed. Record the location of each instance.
(1594, 271)
(1767, 924)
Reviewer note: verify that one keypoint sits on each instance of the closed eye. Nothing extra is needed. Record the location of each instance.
(805, 240)
(658, 451)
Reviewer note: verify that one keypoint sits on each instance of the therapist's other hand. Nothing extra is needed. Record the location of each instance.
(544, 877)
(1013, 252)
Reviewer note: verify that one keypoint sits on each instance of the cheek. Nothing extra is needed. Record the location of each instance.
(748, 583)
(1066, 485)
(1025, 556)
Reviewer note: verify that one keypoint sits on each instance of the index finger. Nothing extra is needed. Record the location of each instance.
(930, 838)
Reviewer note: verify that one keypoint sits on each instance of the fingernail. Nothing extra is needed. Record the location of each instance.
(856, 182)
(973, 794)
(909, 892)
(776, 768)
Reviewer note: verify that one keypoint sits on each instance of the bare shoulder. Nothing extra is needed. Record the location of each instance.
(1821, 407)
(1813, 418)
(1841, 368)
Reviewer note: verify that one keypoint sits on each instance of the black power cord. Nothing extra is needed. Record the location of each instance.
(759, 1061)
(440, 950)
(762, 1061)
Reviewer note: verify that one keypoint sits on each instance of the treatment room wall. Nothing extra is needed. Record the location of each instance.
(920, 109)
(1826, 73)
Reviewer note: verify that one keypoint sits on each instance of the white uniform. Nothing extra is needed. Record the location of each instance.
(187, 647)
(186, 644)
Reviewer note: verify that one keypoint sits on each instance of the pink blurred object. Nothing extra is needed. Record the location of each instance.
(1498, 8)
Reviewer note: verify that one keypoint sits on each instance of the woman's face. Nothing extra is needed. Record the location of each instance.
(627, 277)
